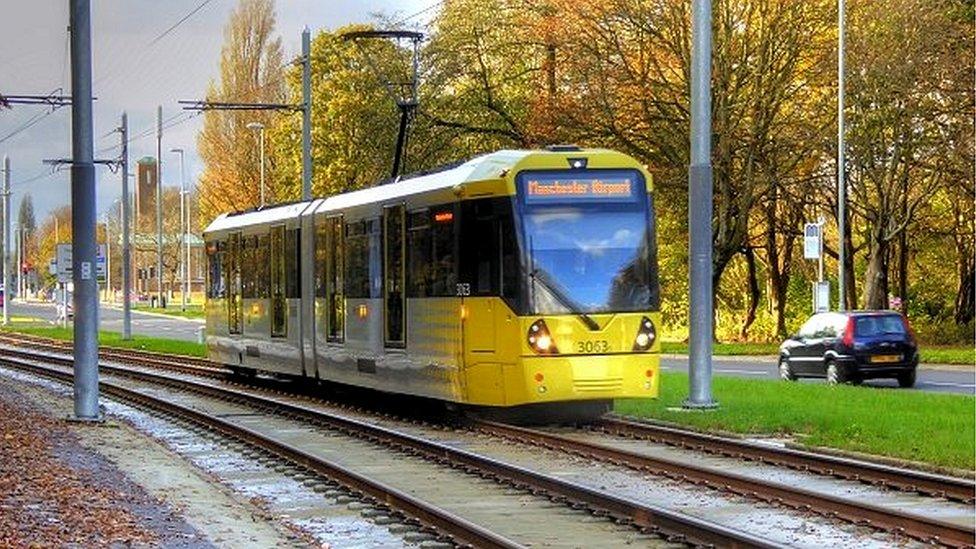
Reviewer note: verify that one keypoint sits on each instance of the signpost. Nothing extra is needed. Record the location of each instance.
(813, 249)
(62, 262)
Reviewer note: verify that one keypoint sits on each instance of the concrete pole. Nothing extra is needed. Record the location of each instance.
(841, 164)
(83, 217)
(126, 251)
(306, 115)
(159, 204)
(186, 238)
(108, 262)
(6, 238)
(700, 211)
(182, 231)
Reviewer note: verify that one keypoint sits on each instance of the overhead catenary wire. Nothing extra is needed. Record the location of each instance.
(176, 25)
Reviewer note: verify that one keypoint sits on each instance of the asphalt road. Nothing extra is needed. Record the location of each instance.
(930, 378)
(110, 319)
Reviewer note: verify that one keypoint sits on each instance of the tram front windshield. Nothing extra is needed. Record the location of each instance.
(589, 241)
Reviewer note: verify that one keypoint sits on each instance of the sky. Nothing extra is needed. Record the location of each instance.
(132, 74)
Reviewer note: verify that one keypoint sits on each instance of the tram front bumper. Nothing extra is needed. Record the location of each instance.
(583, 377)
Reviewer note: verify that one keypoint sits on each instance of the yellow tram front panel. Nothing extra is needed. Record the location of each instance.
(588, 363)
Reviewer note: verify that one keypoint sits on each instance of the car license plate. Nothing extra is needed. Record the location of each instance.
(886, 358)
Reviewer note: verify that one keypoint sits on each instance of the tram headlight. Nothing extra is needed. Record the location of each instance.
(646, 334)
(539, 339)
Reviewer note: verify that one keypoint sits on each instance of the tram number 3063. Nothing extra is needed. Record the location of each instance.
(592, 346)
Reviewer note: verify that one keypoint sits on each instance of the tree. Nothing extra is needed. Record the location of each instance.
(902, 86)
(252, 71)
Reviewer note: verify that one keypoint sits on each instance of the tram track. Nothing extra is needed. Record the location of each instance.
(672, 527)
(951, 488)
(889, 520)
(897, 478)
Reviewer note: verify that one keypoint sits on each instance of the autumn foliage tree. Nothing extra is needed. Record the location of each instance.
(251, 71)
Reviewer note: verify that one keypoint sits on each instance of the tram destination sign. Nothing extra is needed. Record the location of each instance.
(549, 188)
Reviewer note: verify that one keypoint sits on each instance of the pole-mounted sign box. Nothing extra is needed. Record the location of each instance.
(811, 241)
(64, 269)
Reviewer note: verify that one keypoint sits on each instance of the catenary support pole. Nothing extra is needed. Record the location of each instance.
(700, 211)
(182, 231)
(6, 238)
(83, 261)
(841, 164)
(126, 252)
(159, 205)
(306, 115)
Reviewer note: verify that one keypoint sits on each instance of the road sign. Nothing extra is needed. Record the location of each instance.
(64, 269)
(811, 241)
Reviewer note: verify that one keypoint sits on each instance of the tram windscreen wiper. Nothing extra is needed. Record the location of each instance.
(557, 292)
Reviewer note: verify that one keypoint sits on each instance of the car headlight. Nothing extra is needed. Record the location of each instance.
(646, 334)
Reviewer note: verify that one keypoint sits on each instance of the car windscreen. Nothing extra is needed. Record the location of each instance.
(877, 325)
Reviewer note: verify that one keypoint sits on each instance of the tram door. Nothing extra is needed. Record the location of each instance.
(235, 305)
(279, 313)
(393, 296)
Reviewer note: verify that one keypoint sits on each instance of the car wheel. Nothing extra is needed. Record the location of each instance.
(835, 374)
(907, 380)
(785, 370)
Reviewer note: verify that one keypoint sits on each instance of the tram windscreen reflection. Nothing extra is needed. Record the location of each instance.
(587, 256)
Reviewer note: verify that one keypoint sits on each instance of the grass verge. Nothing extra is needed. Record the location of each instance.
(933, 428)
(930, 354)
(192, 311)
(114, 339)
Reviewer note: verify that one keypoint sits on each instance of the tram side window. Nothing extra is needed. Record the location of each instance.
(374, 229)
(293, 261)
(216, 288)
(443, 264)
(357, 260)
(321, 257)
(418, 254)
(335, 269)
(248, 289)
(479, 264)
(491, 267)
(262, 266)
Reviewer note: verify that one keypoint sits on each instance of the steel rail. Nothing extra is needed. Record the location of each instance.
(957, 489)
(672, 525)
(462, 531)
(920, 527)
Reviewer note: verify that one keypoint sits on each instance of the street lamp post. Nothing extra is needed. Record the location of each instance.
(259, 128)
(183, 224)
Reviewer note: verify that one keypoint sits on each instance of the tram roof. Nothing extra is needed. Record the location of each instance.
(484, 167)
(487, 166)
(272, 214)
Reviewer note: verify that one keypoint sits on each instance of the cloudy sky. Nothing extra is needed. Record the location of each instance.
(134, 75)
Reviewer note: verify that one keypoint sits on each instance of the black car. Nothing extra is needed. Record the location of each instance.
(851, 347)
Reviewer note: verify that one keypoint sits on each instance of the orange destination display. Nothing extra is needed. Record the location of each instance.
(573, 187)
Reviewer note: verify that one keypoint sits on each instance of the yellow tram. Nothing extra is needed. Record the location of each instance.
(521, 280)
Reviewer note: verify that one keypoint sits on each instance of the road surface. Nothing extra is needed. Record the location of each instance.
(110, 320)
(930, 378)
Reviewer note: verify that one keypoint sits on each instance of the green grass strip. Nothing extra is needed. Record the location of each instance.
(919, 426)
(114, 339)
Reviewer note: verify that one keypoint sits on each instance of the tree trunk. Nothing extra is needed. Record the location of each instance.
(876, 276)
(965, 306)
(754, 293)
